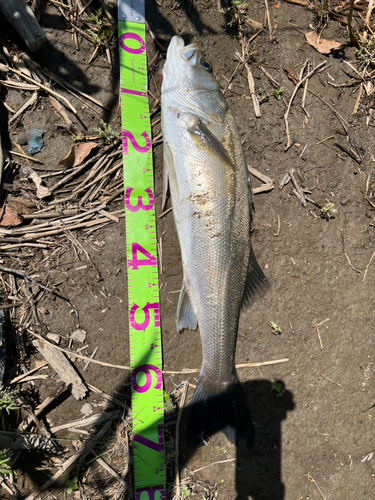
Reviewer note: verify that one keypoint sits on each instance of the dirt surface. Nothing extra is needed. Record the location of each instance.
(314, 414)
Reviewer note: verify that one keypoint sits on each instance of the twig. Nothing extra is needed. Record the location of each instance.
(29, 278)
(278, 226)
(268, 19)
(344, 123)
(15, 380)
(254, 98)
(214, 463)
(84, 165)
(111, 471)
(26, 157)
(76, 355)
(272, 80)
(244, 365)
(331, 381)
(312, 480)
(177, 437)
(326, 139)
(91, 357)
(317, 329)
(346, 255)
(165, 213)
(368, 265)
(299, 193)
(84, 422)
(301, 82)
(353, 38)
(47, 89)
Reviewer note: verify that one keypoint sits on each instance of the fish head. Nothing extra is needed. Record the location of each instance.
(188, 81)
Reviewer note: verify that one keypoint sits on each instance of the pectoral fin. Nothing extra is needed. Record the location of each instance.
(186, 317)
(256, 283)
(169, 175)
(206, 140)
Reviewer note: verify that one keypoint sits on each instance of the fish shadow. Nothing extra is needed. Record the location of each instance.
(258, 471)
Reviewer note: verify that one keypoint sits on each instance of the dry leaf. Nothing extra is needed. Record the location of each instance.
(10, 217)
(41, 191)
(77, 154)
(322, 46)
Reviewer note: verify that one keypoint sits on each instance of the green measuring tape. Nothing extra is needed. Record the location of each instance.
(141, 243)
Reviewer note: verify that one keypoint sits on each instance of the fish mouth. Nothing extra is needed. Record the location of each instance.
(189, 52)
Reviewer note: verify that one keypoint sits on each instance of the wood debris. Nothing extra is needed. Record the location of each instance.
(63, 368)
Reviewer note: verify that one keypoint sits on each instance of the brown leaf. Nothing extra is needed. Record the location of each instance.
(10, 217)
(77, 154)
(322, 46)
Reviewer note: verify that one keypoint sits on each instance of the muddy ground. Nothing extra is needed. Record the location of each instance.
(314, 429)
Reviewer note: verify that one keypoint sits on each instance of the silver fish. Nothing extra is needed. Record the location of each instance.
(212, 207)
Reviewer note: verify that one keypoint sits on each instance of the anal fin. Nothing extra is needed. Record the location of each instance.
(186, 317)
(256, 282)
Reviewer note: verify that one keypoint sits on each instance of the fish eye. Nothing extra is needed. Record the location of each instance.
(207, 66)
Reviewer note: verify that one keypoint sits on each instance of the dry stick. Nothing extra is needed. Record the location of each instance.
(100, 177)
(245, 365)
(346, 255)
(76, 355)
(368, 265)
(299, 191)
(15, 380)
(353, 38)
(344, 123)
(268, 19)
(214, 463)
(50, 91)
(317, 329)
(254, 98)
(111, 471)
(312, 480)
(301, 82)
(262, 177)
(29, 278)
(28, 103)
(304, 96)
(84, 165)
(165, 213)
(26, 157)
(272, 80)
(278, 226)
(331, 381)
(177, 436)
(233, 75)
(324, 140)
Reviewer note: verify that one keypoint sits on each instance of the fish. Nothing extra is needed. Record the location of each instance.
(211, 198)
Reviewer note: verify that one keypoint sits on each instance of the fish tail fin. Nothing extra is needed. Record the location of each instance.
(219, 407)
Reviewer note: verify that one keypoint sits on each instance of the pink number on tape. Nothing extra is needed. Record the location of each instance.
(146, 310)
(132, 36)
(141, 149)
(146, 369)
(139, 205)
(135, 262)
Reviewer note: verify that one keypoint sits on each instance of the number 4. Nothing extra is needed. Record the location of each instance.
(135, 262)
